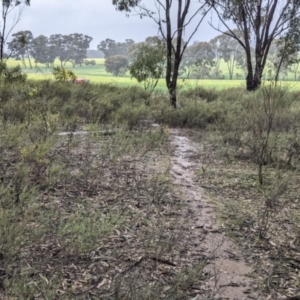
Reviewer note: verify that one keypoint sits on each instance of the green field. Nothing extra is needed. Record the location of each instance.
(97, 74)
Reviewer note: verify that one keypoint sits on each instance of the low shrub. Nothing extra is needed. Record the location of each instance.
(199, 92)
(190, 113)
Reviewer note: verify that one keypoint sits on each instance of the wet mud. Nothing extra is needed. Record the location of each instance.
(228, 275)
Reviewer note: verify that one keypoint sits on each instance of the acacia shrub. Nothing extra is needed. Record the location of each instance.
(199, 92)
(191, 113)
(262, 126)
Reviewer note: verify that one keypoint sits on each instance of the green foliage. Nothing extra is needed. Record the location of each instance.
(191, 113)
(148, 65)
(20, 46)
(116, 65)
(131, 116)
(12, 75)
(112, 48)
(62, 74)
(89, 62)
(257, 123)
(198, 60)
(199, 92)
(125, 5)
(254, 20)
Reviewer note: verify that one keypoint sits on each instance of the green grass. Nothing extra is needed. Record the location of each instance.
(97, 74)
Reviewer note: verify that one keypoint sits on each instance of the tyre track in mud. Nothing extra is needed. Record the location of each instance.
(229, 277)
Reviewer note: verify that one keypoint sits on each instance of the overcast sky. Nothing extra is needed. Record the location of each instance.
(96, 18)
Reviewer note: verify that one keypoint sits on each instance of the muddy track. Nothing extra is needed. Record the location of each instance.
(229, 277)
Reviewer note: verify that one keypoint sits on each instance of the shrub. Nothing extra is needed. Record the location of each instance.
(255, 123)
(62, 74)
(131, 116)
(206, 94)
(12, 75)
(191, 113)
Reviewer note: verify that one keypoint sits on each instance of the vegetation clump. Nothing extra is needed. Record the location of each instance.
(85, 178)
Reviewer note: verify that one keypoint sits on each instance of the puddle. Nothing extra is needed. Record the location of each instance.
(74, 133)
(142, 123)
(83, 132)
(229, 275)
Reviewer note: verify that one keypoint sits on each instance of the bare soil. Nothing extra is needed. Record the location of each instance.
(229, 277)
(228, 178)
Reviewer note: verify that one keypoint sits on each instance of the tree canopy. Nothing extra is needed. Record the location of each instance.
(148, 62)
(116, 65)
(171, 29)
(257, 23)
(8, 6)
(111, 48)
(198, 59)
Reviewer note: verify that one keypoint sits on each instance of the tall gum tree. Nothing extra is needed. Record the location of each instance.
(7, 8)
(258, 22)
(20, 46)
(171, 29)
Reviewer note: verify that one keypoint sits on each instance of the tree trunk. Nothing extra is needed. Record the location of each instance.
(253, 82)
(173, 99)
(4, 14)
(29, 61)
(24, 62)
(1, 48)
(172, 94)
(278, 70)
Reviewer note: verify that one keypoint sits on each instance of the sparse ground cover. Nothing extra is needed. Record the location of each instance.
(249, 166)
(88, 209)
(231, 182)
(103, 224)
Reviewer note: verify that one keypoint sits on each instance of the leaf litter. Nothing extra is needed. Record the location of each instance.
(124, 217)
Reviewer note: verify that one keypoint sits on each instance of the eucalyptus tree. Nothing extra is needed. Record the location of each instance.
(147, 62)
(258, 23)
(215, 44)
(112, 48)
(20, 46)
(7, 8)
(60, 44)
(171, 29)
(277, 64)
(294, 67)
(77, 47)
(198, 59)
(152, 41)
(116, 65)
(229, 50)
(41, 51)
(288, 51)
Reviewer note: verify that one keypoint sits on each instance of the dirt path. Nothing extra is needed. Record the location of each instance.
(229, 275)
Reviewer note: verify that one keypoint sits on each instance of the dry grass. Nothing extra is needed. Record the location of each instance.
(231, 181)
(94, 217)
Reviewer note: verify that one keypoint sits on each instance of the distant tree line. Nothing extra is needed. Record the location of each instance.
(148, 59)
(254, 25)
(200, 60)
(44, 50)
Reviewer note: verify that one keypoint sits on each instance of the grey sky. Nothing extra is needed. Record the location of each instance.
(96, 18)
